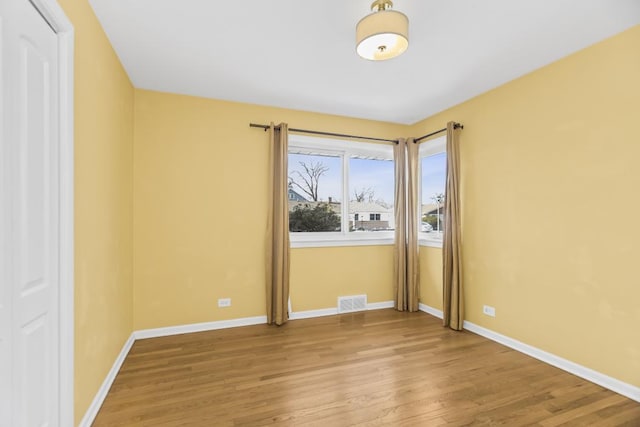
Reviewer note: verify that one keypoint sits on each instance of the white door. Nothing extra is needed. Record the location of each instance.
(29, 335)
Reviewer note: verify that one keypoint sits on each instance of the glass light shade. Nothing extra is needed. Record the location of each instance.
(382, 35)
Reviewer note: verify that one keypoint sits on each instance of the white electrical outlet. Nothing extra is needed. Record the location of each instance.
(224, 302)
(489, 311)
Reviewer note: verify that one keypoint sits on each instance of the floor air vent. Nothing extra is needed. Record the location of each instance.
(352, 303)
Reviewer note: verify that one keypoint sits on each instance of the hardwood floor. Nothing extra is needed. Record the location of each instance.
(370, 368)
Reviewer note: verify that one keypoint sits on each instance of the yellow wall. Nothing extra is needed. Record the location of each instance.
(103, 204)
(431, 276)
(320, 275)
(200, 208)
(551, 213)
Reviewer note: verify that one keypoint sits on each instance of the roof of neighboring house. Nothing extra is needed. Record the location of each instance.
(368, 207)
(431, 208)
(299, 197)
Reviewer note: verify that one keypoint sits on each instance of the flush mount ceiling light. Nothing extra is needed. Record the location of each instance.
(384, 34)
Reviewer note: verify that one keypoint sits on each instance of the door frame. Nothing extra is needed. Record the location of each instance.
(54, 15)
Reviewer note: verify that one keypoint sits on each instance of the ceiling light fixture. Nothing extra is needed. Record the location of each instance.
(383, 34)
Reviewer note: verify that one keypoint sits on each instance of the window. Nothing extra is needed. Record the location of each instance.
(318, 181)
(335, 183)
(371, 188)
(433, 165)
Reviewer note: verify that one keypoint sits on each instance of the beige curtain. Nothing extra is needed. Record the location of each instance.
(406, 257)
(278, 228)
(453, 304)
(413, 221)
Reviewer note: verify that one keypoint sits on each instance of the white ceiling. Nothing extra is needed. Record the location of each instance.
(301, 54)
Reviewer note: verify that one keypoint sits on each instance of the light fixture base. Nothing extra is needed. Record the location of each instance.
(380, 5)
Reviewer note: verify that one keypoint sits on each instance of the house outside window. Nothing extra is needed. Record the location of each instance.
(295, 196)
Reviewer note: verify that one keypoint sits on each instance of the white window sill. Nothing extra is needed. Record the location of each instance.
(423, 240)
(324, 240)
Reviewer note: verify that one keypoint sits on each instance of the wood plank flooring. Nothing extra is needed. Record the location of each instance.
(371, 368)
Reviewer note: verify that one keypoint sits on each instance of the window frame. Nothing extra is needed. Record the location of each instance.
(429, 148)
(301, 144)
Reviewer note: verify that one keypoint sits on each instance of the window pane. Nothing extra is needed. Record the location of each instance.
(433, 188)
(371, 187)
(315, 188)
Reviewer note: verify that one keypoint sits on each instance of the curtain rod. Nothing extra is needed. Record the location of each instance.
(455, 126)
(315, 132)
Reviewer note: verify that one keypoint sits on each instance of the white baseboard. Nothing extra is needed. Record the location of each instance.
(432, 311)
(308, 314)
(91, 413)
(199, 327)
(380, 305)
(620, 387)
(246, 321)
